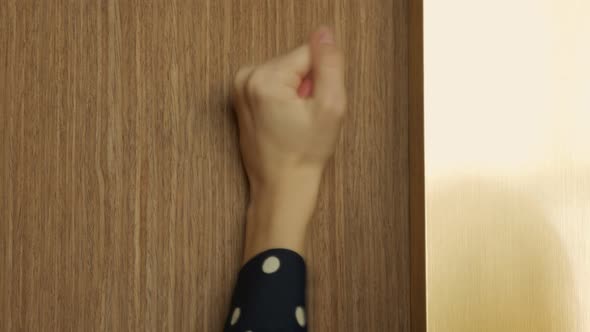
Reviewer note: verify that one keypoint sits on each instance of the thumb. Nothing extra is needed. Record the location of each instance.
(328, 69)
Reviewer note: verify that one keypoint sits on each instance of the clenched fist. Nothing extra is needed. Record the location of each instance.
(290, 109)
(289, 112)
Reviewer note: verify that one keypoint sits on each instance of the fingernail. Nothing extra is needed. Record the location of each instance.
(326, 37)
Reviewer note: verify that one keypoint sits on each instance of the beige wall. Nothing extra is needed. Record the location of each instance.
(507, 126)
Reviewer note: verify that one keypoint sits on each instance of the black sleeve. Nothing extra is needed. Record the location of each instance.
(269, 294)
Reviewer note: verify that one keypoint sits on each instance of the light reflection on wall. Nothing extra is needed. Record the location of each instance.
(507, 143)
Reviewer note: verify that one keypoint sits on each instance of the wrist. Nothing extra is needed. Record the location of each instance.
(286, 181)
(280, 211)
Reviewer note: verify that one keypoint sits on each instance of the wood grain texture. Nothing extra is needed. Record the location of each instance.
(122, 193)
(417, 218)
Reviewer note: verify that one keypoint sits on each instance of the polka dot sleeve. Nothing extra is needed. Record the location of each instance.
(269, 294)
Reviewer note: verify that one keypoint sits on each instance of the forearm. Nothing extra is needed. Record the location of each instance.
(289, 112)
(270, 290)
(279, 214)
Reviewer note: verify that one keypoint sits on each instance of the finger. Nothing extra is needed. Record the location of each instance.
(306, 87)
(240, 101)
(298, 61)
(328, 70)
(238, 91)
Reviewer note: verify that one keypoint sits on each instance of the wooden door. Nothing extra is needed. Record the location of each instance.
(122, 193)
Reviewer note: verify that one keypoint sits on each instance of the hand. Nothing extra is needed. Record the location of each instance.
(289, 111)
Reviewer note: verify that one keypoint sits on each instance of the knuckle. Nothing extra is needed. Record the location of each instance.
(238, 91)
(237, 83)
(333, 105)
(241, 76)
(325, 104)
(255, 83)
(340, 107)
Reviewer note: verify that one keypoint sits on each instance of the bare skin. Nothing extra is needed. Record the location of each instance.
(290, 112)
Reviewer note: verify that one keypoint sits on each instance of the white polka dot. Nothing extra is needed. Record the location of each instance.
(271, 265)
(300, 316)
(235, 316)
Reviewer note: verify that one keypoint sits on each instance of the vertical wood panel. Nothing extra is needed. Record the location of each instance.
(417, 217)
(122, 193)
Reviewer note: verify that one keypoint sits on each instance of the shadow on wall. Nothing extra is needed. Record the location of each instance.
(494, 262)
